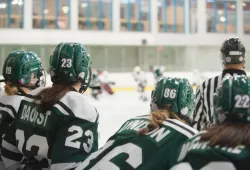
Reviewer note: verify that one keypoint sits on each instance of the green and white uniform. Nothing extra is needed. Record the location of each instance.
(8, 110)
(231, 104)
(127, 150)
(196, 155)
(56, 139)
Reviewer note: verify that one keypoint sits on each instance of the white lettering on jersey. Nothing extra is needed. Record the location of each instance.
(196, 145)
(134, 125)
(31, 115)
(160, 134)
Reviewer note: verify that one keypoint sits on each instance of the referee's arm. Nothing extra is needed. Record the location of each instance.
(199, 115)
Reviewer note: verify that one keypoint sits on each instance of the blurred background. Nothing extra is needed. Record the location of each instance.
(182, 35)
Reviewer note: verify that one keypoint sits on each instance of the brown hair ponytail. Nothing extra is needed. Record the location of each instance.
(10, 89)
(51, 95)
(157, 118)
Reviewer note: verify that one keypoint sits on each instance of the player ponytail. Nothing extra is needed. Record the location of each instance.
(51, 95)
(227, 135)
(10, 89)
(157, 118)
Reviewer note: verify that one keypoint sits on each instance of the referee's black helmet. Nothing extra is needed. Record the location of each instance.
(233, 51)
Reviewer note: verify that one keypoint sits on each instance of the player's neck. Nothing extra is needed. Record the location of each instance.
(25, 90)
(77, 86)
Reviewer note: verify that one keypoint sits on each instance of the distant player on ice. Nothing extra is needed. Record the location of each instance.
(106, 83)
(95, 84)
(141, 80)
(157, 72)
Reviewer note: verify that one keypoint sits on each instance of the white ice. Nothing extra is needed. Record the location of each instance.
(116, 109)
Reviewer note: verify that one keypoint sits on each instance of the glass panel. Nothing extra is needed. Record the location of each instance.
(246, 15)
(98, 56)
(125, 58)
(95, 14)
(131, 55)
(222, 16)
(115, 59)
(11, 13)
(51, 14)
(171, 15)
(135, 15)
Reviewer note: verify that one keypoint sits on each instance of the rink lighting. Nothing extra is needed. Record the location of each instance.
(65, 9)
(3, 5)
(222, 19)
(17, 2)
(84, 5)
(220, 12)
(45, 11)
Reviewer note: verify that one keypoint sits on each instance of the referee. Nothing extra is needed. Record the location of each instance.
(233, 57)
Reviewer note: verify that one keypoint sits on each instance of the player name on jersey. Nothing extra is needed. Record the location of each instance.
(196, 145)
(31, 115)
(157, 134)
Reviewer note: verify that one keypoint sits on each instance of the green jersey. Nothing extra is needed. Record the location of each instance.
(196, 155)
(57, 139)
(127, 150)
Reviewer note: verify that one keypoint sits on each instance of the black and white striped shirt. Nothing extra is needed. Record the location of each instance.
(203, 112)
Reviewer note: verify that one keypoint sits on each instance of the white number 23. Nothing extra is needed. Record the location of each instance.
(71, 141)
(66, 63)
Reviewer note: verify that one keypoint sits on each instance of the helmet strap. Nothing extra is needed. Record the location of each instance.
(85, 82)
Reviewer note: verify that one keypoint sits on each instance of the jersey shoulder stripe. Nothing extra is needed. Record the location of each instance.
(10, 104)
(180, 128)
(185, 126)
(74, 103)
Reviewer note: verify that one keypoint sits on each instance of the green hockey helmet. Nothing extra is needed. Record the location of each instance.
(231, 100)
(175, 94)
(19, 67)
(69, 64)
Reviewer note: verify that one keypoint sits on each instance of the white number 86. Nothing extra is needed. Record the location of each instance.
(170, 93)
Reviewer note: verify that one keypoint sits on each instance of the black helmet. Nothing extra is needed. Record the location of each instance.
(233, 51)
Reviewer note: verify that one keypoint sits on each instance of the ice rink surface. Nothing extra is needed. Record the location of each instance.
(116, 109)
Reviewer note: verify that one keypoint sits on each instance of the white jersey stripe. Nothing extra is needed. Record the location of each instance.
(179, 129)
(9, 147)
(64, 166)
(10, 164)
(8, 111)
(183, 124)
(62, 110)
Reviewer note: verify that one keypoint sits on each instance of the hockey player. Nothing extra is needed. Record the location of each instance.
(22, 72)
(150, 141)
(157, 72)
(56, 127)
(95, 84)
(140, 78)
(225, 145)
(106, 83)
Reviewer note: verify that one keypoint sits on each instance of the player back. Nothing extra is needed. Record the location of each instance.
(57, 138)
(197, 155)
(128, 150)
